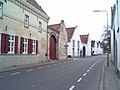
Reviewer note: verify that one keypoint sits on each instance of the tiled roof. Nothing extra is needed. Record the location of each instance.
(55, 26)
(36, 5)
(70, 32)
(84, 38)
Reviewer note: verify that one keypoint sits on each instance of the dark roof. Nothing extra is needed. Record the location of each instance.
(36, 5)
(70, 32)
(84, 38)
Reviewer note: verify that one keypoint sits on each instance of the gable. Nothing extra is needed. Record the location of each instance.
(70, 32)
(84, 38)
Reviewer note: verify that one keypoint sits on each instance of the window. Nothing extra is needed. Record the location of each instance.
(11, 44)
(1, 9)
(40, 27)
(25, 45)
(28, 46)
(73, 43)
(33, 46)
(26, 21)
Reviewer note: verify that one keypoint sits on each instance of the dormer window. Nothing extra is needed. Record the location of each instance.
(26, 21)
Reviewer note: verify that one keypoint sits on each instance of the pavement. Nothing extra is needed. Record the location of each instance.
(109, 78)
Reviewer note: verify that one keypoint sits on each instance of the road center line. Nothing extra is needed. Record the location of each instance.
(15, 73)
(90, 67)
(79, 79)
(84, 74)
(29, 70)
(72, 88)
(48, 66)
(88, 70)
(40, 67)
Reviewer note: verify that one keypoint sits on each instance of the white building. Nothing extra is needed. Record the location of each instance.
(115, 35)
(74, 42)
(86, 45)
(96, 48)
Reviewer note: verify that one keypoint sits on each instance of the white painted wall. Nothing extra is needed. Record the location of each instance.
(76, 38)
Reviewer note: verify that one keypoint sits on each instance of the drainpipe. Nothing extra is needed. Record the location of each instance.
(46, 54)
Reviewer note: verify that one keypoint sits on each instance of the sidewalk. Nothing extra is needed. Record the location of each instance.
(31, 65)
(109, 80)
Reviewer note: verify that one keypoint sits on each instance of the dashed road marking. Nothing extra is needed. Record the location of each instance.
(29, 70)
(79, 79)
(72, 88)
(40, 67)
(15, 73)
(90, 67)
(0, 76)
(84, 74)
(88, 70)
(48, 66)
(55, 64)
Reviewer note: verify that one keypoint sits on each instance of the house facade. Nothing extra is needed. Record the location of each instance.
(86, 45)
(115, 35)
(96, 48)
(23, 33)
(57, 41)
(74, 42)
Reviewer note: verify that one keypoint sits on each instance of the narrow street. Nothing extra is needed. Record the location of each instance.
(76, 74)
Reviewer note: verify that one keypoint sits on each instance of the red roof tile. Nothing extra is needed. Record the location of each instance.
(70, 32)
(55, 26)
(36, 5)
(84, 38)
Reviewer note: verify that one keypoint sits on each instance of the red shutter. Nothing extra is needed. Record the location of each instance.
(29, 46)
(3, 37)
(6, 43)
(21, 45)
(16, 44)
(36, 46)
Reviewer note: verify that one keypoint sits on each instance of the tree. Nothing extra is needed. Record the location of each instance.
(106, 42)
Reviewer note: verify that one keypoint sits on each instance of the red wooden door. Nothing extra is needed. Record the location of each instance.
(52, 48)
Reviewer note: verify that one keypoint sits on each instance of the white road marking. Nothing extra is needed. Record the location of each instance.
(15, 73)
(88, 70)
(54, 64)
(40, 67)
(64, 62)
(79, 79)
(0, 76)
(84, 74)
(90, 67)
(72, 88)
(33, 86)
(29, 70)
(48, 66)
(60, 63)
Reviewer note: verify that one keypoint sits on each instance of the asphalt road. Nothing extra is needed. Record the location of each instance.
(76, 74)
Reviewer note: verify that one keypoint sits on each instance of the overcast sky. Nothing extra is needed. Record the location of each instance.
(80, 13)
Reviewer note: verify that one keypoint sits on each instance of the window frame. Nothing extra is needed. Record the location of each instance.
(33, 46)
(1, 10)
(25, 45)
(11, 45)
(26, 21)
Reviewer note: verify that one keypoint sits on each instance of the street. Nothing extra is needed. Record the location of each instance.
(76, 74)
